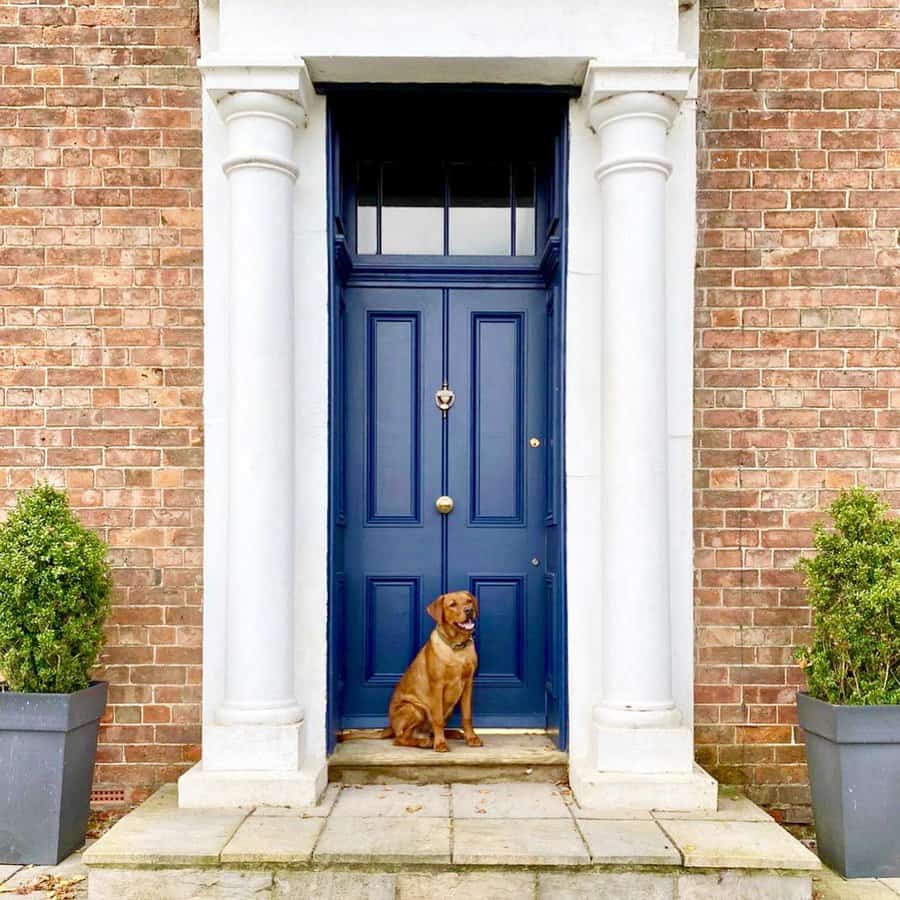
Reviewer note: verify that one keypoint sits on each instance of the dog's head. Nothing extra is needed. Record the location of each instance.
(458, 609)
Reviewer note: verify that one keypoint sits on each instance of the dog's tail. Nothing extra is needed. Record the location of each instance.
(365, 734)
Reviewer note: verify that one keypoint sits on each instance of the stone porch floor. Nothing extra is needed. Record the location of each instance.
(513, 839)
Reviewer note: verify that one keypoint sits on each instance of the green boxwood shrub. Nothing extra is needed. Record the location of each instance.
(54, 595)
(854, 589)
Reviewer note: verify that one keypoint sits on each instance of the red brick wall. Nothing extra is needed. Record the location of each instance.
(101, 332)
(797, 344)
(798, 304)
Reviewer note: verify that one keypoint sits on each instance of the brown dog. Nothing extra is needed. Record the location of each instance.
(437, 679)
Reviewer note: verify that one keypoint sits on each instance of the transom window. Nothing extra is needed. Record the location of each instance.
(479, 208)
(447, 174)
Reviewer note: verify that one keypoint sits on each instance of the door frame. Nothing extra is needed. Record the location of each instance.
(549, 273)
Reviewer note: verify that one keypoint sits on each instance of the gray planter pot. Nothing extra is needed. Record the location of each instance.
(854, 773)
(47, 748)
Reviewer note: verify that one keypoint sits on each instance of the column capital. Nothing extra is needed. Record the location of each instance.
(228, 75)
(669, 76)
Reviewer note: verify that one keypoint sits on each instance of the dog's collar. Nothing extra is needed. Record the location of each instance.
(460, 646)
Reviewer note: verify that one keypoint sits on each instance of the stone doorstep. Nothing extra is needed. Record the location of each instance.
(504, 757)
(531, 825)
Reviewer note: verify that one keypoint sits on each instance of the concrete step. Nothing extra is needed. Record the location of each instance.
(518, 840)
(505, 756)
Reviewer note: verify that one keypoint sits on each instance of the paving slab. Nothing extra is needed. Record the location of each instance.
(732, 808)
(69, 876)
(320, 811)
(384, 840)
(629, 815)
(8, 872)
(831, 886)
(159, 833)
(753, 845)
(510, 800)
(393, 800)
(518, 842)
(628, 843)
(892, 883)
(273, 839)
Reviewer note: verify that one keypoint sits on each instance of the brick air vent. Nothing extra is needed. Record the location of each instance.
(117, 795)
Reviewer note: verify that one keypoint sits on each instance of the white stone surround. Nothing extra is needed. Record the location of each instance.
(628, 405)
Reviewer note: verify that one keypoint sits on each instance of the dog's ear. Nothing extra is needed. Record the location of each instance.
(435, 609)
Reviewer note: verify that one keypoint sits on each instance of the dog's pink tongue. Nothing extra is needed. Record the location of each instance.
(468, 625)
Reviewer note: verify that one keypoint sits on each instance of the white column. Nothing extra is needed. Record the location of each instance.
(642, 748)
(259, 675)
(636, 658)
(253, 750)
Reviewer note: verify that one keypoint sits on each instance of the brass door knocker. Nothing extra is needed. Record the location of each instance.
(444, 398)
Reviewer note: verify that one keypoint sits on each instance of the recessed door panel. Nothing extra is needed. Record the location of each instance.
(393, 441)
(498, 417)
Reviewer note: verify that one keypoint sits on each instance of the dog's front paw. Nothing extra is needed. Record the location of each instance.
(474, 741)
(441, 747)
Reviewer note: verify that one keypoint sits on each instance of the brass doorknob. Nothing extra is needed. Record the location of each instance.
(444, 505)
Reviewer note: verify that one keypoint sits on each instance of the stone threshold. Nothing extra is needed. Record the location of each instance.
(507, 756)
(388, 838)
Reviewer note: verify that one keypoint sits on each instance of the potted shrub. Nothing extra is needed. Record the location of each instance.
(851, 713)
(54, 598)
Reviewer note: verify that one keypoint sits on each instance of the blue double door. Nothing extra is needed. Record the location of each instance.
(488, 452)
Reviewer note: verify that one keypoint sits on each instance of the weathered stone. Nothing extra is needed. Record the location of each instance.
(469, 885)
(8, 872)
(744, 886)
(628, 815)
(831, 886)
(892, 883)
(320, 811)
(426, 801)
(605, 886)
(518, 842)
(160, 833)
(178, 884)
(628, 843)
(732, 808)
(752, 845)
(384, 840)
(334, 886)
(511, 800)
(498, 749)
(273, 839)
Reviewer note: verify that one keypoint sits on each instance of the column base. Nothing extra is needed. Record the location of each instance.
(200, 788)
(695, 791)
(253, 748)
(643, 750)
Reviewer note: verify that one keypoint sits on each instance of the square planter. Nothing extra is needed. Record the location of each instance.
(47, 748)
(854, 774)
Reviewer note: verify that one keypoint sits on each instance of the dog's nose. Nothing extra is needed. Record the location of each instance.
(468, 611)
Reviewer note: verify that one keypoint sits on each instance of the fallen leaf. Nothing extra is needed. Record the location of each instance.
(414, 809)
